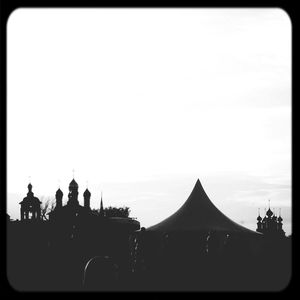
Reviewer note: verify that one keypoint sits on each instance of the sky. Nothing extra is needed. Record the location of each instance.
(140, 103)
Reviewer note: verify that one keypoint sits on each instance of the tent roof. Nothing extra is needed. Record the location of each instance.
(199, 213)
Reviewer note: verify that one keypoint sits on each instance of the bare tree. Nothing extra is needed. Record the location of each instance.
(46, 207)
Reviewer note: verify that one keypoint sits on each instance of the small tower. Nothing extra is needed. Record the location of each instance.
(73, 193)
(259, 223)
(101, 212)
(271, 224)
(264, 221)
(87, 197)
(279, 224)
(58, 196)
(30, 206)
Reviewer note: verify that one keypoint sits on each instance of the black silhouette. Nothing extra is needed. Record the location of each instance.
(196, 248)
(30, 206)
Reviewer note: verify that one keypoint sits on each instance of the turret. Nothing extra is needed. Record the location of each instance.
(58, 197)
(259, 223)
(87, 197)
(73, 193)
(101, 212)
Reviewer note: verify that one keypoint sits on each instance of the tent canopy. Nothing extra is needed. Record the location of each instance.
(200, 214)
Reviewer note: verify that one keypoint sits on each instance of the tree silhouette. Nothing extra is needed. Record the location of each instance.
(122, 212)
(110, 212)
(46, 207)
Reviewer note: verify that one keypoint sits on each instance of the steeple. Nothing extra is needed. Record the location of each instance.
(259, 217)
(58, 197)
(30, 206)
(269, 213)
(73, 193)
(101, 212)
(86, 197)
(259, 224)
(271, 224)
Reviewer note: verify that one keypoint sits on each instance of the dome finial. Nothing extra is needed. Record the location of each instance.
(259, 217)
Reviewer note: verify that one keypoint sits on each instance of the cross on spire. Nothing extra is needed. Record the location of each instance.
(29, 177)
(73, 173)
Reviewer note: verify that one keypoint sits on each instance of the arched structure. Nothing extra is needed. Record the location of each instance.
(30, 206)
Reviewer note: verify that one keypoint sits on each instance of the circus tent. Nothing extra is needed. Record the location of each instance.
(198, 213)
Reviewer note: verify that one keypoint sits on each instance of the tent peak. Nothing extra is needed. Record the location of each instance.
(198, 185)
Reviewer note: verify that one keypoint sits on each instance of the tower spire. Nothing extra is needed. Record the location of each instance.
(101, 212)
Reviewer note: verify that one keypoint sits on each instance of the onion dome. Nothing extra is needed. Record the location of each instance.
(279, 219)
(59, 193)
(86, 193)
(73, 184)
(269, 213)
(259, 217)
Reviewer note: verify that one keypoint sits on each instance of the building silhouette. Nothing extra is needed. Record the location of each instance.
(30, 206)
(196, 248)
(72, 209)
(270, 225)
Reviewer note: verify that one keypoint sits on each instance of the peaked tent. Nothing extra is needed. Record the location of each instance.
(198, 213)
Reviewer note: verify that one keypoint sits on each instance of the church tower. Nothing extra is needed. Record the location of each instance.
(87, 197)
(101, 212)
(73, 193)
(259, 223)
(30, 206)
(270, 225)
(58, 197)
(279, 224)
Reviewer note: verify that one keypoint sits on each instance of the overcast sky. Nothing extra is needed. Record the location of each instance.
(142, 102)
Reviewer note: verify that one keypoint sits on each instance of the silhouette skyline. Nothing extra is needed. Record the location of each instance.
(199, 93)
(106, 250)
(135, 105)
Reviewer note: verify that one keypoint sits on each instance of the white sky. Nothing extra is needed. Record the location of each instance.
(142, 102)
